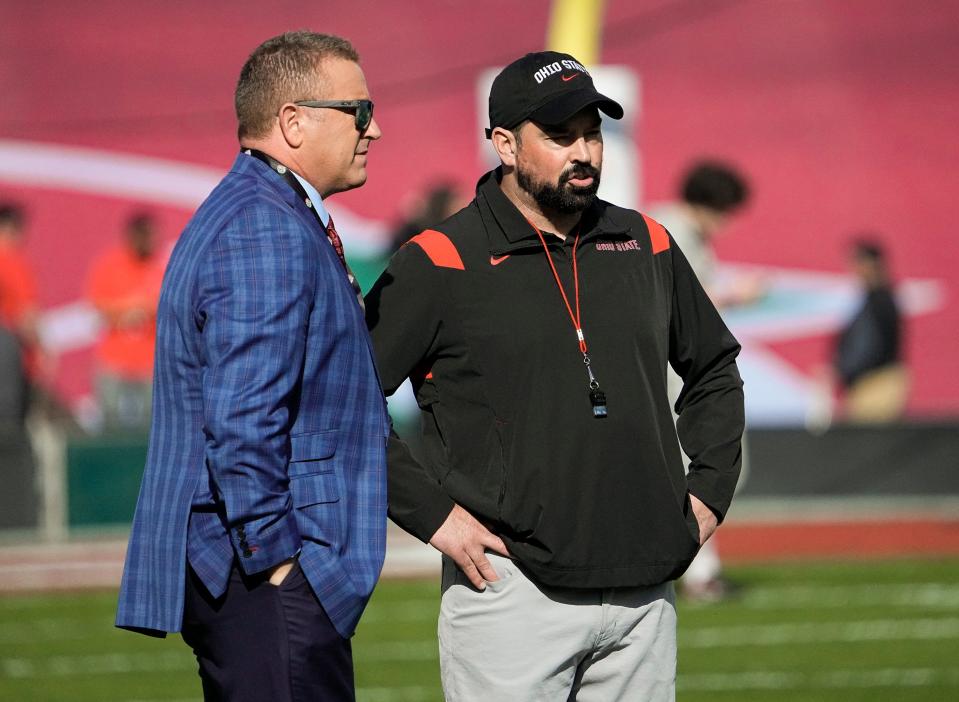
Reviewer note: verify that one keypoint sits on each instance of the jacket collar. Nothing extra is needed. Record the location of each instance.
(508, 230)
(246, 165)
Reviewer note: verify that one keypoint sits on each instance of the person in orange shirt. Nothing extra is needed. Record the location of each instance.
(19, 363)
(18, 287)
(124, 286)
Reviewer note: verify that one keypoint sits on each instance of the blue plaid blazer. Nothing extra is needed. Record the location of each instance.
(269, 426)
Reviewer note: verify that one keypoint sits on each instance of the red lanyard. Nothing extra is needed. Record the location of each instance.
(597, 397)
(577, 324)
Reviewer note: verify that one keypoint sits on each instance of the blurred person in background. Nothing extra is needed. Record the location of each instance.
(124, 286)
(19, 358)
(562, 518)
(18, 504)
(260, 530)
(868, 354)
(429, 208)
(19, 310)
(13, 384)
(710, 193)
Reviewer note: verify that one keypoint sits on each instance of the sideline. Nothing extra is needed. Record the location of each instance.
(761, 532)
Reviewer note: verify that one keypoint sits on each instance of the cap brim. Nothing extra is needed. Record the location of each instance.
(566, 105)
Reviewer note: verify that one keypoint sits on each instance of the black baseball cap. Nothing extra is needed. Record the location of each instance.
(547, 87)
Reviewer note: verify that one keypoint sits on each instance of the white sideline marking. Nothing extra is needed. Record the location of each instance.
(98, 664)
(710, 637)
(820, 632)
(746, 680)
(107, 663)
(405, 693)
(835, 679)
(73, 628)
(705, 637)
(43, 630)
(885, 595)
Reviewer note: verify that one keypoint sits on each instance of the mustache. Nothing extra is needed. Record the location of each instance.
(583, 170)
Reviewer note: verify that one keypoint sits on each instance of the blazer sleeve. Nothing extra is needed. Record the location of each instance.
(403, 316)
(711, 410)
(256, 293)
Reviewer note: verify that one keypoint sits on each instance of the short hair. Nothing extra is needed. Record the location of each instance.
(715, 185)
(11, 215)
(867, 247)
(282, 69)
(140, 221)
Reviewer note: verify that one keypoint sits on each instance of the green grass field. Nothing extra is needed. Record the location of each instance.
(839, 632)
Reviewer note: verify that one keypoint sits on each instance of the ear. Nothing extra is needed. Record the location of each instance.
(504, 141)
(291, 124)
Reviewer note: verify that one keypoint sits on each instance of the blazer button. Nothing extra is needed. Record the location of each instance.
(247, 553)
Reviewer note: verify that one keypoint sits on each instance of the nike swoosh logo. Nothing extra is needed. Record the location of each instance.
(569, 78)
(496, 260)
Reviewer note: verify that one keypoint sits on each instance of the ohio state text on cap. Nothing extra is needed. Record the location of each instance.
(547, 87)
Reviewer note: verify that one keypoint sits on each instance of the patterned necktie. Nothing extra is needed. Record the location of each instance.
(331, 234)
(335, 241)
(338, 247)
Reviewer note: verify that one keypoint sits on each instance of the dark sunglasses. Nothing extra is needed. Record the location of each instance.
(362, 109)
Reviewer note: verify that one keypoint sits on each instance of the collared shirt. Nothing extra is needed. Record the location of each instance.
(315, 199)
(320, 209)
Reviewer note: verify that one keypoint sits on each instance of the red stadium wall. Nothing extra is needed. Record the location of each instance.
(842, 112)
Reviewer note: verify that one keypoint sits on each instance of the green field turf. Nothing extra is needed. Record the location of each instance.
(816, 633)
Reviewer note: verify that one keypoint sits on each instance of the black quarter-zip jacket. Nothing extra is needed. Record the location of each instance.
(472, 314)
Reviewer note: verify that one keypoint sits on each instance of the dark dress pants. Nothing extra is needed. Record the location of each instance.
(265, 643)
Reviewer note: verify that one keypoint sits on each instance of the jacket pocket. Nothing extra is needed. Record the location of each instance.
(316, 502)
(314, 486)
(314, 489)
(311, 453)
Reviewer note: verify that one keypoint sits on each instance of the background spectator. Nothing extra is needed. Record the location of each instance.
(710, 192)
(868, 360)
(18, 343)
(428, 209)
(124, 286)
(18, 291)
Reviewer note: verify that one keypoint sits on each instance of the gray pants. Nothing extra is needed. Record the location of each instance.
(521, 641)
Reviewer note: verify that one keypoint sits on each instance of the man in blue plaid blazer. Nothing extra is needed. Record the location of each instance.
(260, 527)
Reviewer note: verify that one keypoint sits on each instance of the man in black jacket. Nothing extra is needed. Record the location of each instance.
(536, 325)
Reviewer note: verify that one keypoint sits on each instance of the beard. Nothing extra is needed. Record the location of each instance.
(561, 196)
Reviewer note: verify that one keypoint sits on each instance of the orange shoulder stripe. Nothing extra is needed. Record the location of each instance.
(657, 235)
(439, 248)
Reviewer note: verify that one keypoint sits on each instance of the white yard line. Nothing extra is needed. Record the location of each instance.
(707, 637)
(60, 666)
(833, 679)
(96, 664)
(404, 693)
(820, 632)
(913, 595)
